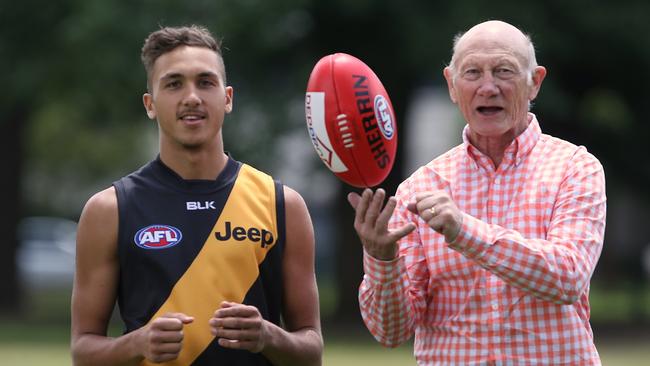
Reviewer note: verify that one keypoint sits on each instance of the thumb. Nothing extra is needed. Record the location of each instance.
(401, 232)
(184, 318)
(412, 207)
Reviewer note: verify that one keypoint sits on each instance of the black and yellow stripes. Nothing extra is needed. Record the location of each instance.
(228, 263)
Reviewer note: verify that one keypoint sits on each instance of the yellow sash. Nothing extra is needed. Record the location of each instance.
(224, 270)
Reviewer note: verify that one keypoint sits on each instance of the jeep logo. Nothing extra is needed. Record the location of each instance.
(239, 233)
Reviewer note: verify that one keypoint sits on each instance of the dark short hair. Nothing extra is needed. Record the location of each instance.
(166, 39)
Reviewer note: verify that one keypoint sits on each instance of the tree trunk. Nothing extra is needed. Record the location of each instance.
(11, 143)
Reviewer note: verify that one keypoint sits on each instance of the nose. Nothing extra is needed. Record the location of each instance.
(191, 98)
(488, 86)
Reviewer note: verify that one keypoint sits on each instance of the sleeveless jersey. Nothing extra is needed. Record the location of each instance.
(187, 245)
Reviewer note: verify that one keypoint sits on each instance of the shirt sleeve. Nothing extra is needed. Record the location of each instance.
(392, 295)
(559, 267)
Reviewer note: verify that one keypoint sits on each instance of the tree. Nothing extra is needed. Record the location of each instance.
(73, 119)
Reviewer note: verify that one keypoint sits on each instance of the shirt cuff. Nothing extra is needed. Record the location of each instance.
(382, 271)
(472, 240)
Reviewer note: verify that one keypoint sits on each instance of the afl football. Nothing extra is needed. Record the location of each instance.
(350, 120)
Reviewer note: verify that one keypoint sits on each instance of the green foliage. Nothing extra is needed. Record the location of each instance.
(76, 65)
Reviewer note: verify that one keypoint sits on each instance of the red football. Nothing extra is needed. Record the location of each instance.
(350, 120)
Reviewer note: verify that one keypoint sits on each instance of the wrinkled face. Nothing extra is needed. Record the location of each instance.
(188, 97)
(492, 83)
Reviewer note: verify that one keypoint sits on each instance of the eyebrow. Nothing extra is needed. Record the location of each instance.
(500, 61)
(178, 75)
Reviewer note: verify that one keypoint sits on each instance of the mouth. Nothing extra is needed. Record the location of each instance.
(489, 110)
(191, 117)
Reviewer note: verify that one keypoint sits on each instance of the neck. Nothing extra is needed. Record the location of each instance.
(195, 163)
(495, 146)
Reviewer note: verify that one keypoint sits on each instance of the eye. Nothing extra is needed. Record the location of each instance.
(504, 72)
(471, 74)
(206, 83)
(174, 84)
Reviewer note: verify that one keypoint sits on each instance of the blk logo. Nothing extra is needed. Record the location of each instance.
(198, 205)
(239, 233)
(157, 237)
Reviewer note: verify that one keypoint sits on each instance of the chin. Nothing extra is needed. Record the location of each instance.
(190, 144)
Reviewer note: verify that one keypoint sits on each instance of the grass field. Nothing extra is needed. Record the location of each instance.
(34, 345)
(42, 338)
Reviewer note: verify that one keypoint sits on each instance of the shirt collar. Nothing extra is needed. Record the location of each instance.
(520, 147)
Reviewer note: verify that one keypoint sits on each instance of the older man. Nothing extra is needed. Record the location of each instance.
(486, 252)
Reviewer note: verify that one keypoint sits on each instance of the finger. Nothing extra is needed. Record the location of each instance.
(235, 310)
(168, 347)
(401, 232)
(235, 323)
(242, 345)
(228, 304)
(375, 206)
(167, 324)
(424, 200)
(236, 344)
(424, 195)
(164, 357)
(412, 206)
(167, 336)
(362, 207)
(386, 213)
(353, 199)
(184, 318)
(237, 334)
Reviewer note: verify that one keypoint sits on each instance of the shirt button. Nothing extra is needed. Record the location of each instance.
(497, 181)
(494, 306)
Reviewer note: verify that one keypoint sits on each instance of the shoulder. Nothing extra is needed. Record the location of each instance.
(300, 241)
(293, 201)
(100, 208)
(298, 220)
(105, 200)
(576, 156)
(435, 174)
(98, 225)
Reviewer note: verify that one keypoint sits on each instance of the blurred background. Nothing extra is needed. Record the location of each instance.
(73, 122)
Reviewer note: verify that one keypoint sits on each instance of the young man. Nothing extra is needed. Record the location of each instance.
(195, 247)
(490, 248)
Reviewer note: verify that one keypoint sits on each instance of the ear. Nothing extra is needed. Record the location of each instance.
(147, 100)
(229, 99)
(539, 73)
(449, 76)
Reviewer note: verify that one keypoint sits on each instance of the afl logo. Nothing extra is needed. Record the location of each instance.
(158, 237)
(384, 116)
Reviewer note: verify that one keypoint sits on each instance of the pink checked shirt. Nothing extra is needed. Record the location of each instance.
(513, 288)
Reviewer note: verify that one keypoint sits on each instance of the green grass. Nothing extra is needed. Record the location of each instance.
(337, 353)
(35, 354)
(27, 343)
(43, 337)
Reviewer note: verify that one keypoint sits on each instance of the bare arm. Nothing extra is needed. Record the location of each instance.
(95, 291)
(95, 287)
(241, 326)
(304, 344)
